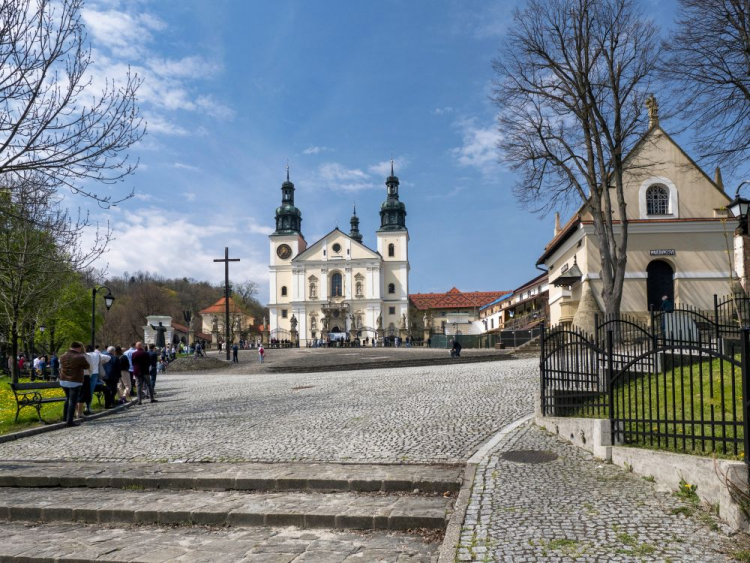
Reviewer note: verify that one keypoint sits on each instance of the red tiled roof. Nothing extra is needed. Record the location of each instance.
(454, 299)
(218, 307)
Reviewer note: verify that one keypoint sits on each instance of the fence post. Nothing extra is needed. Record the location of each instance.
(541, 369)
(745, 350)
(716, 322)
(610, 381)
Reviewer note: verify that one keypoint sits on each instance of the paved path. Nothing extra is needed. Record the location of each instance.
(578, 509)
(436, 414)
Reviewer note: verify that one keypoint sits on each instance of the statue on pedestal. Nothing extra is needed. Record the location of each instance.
(293, 322)
(379, 321)
(215, 325)
(403, 321)
(159, 338)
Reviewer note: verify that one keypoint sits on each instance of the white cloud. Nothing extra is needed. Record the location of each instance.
(157, 124)
(338, 177)
(189, 196)
(167, 238)
(143, 197)
(479, 148)
(441, 111)
(123, 35)
(384, 168)
(120, 30)
(316, 150)
(186, 67)
(182, 166)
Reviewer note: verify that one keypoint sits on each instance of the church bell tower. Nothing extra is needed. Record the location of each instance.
(286, 242)
(393, 246)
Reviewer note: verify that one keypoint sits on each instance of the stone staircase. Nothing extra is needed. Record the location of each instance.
(224, 512)
(530, 347)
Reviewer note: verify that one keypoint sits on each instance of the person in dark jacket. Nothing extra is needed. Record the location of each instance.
(72, 365)
(110, 377)
(153, 368)
(141, 371)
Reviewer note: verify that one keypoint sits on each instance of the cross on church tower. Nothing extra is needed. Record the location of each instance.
(226, 261)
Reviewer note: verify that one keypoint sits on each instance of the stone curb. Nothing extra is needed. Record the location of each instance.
(397, 518)
(239, 483)
(61, 425)
(449, 549)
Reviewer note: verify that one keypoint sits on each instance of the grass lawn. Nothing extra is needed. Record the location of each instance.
(695, 407)
(28, 418)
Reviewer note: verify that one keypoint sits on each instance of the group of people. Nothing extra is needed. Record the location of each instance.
(40, 366)
(119, 372)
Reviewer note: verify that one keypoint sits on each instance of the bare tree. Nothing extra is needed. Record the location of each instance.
(50, 121)
(40, 249)
(572, 79)
(707, 59)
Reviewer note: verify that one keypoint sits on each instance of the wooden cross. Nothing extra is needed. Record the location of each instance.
(226, 261)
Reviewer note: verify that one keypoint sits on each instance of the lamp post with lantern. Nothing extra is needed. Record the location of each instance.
(738, 208)
(108, 300)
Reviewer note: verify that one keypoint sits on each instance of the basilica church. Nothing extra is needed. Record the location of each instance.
(337, 287)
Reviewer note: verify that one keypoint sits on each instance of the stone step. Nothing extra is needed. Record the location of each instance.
(373, 511)
(236, 476)
(467, 358)
(82, 543)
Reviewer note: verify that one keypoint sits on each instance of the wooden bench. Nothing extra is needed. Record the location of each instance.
(29, 395)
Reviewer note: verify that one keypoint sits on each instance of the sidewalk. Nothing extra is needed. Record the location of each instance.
(577, 509)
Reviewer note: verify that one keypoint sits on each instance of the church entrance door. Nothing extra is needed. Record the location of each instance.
(660, 282)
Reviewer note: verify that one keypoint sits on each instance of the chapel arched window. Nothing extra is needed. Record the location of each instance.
(657, 200)
(337, 285)
(391, 250)
(391, 288)
(283, 291)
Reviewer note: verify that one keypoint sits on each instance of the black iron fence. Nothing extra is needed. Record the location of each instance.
(677, 381)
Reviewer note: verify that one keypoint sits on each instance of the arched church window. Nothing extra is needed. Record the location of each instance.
(391, 288)
(391, 250)
(283, 291)
(337, 285)
(657, 200)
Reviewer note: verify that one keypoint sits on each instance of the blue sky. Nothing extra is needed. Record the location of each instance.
(234, 89)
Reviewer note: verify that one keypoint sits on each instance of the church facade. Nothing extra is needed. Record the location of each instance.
(337, 287)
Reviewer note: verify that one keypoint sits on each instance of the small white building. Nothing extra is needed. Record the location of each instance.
(149, 334)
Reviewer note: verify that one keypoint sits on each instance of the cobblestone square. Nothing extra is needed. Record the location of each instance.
(433, 414)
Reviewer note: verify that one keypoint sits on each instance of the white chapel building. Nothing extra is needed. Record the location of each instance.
(337, 285)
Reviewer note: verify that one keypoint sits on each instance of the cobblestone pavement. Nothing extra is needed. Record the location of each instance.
(310, 358)
(578, 509)
(77, 542)
(436, 414)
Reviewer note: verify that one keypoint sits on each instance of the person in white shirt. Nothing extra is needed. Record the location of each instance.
(96, 360)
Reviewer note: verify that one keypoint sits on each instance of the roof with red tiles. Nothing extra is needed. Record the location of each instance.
(218, 307)
(453, 299)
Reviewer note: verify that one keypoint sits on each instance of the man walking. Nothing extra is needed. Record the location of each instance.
(141, 369)
(153, 357)
(72, 365)
(235, 348)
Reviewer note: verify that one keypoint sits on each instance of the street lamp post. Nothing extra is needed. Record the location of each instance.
(108, 300)
(738, 207)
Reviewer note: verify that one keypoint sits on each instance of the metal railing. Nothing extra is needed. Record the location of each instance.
(675, 383)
